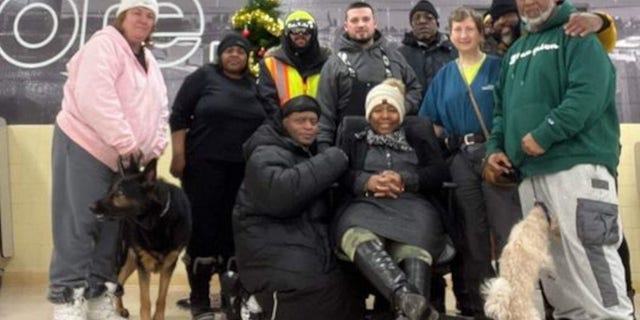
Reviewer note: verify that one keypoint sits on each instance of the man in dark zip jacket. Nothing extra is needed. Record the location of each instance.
(424, 47)
(281, 221)
(363, 59)
(555, 120)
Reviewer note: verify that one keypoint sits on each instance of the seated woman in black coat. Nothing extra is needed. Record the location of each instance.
(388, 221)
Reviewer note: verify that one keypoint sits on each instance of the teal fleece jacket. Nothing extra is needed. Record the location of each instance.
(560, 89)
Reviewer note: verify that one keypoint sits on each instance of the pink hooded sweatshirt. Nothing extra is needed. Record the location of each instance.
(111, 106)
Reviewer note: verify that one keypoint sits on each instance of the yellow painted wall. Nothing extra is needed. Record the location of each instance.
(630, 195)
(30, 166)
(30, 170)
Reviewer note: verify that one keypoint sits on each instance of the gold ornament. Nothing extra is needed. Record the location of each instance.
(254, 67)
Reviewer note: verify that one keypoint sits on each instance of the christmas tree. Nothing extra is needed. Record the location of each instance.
(258, 21)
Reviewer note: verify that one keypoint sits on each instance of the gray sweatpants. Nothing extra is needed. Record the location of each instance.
(83, 248)
(588, 280)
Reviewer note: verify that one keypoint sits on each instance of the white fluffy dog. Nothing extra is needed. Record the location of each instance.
(511, 295)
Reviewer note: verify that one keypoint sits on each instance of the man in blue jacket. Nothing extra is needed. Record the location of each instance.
(555, 120)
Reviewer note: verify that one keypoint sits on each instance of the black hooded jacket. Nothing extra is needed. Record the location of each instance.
(281, 216)
(337, 83)
(427, 59)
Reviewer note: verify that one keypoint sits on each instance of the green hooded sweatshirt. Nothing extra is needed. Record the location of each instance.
(560, 89)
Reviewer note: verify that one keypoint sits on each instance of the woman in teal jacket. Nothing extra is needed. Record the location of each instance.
(481, 209)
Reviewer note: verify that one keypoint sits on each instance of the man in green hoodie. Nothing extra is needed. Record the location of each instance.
(555, 120)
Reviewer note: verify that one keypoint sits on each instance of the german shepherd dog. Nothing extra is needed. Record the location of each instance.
(156, 227)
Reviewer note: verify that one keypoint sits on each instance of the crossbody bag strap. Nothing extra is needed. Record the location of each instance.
(387, 63)
(345, 59)
(352, 71)
(485, 131)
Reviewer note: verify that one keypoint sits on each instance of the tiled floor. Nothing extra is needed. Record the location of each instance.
(25, 300)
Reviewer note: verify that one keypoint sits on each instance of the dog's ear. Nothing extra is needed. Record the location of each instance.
(121, 166)
(134, 163)
(150, 171)
(128, 165)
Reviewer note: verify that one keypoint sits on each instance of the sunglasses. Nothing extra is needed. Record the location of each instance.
(300, 31)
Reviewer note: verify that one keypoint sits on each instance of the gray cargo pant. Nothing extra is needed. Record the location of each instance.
(588, 277)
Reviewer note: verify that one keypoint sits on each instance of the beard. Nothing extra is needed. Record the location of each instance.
(534, 24)
(362, 40)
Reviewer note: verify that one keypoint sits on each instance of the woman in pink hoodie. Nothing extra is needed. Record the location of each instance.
(114, 105)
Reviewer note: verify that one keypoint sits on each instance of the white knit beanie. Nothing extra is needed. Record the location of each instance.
(128, 4)
(390, 91)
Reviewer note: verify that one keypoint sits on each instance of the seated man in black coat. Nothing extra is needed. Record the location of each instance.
(281, 218)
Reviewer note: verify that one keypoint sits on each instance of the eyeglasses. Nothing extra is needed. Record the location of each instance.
(300, 31)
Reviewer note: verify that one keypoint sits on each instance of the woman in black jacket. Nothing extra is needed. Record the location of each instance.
(388, 220)
(281, 218)
(216, 109)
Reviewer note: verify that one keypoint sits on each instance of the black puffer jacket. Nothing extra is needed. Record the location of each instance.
(427, 59)
(281, 215)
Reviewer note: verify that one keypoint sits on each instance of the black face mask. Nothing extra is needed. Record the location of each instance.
(303, 57)
(292, 47)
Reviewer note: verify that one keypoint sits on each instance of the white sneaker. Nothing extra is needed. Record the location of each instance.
(74, 310)
(103, 307)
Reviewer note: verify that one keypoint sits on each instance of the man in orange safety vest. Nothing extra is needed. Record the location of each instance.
(293, 68)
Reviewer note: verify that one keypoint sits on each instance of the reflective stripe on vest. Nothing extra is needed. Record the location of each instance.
(288, 81)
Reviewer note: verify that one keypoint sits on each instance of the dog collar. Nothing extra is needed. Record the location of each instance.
(166, 206)
(544, 209)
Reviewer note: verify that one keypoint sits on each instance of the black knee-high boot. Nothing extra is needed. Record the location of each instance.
(438, 291)
(419, 276)
(380, 269)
